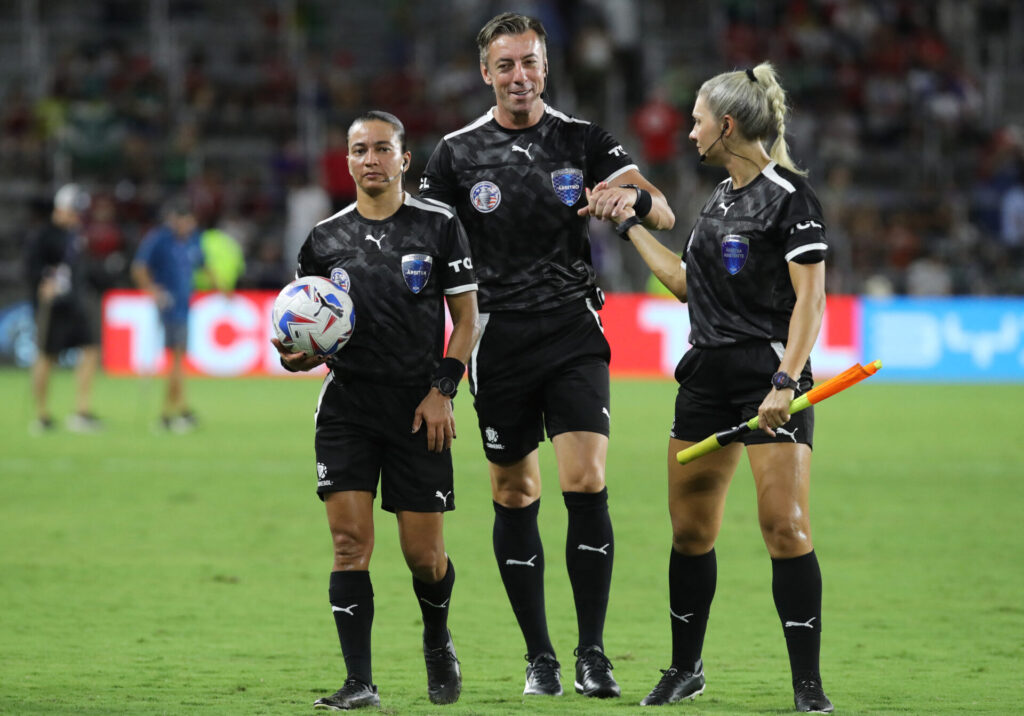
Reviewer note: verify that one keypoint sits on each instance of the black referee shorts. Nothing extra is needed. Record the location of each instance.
(532, 372)
(722, 387)
(67, 325)
(363, 432)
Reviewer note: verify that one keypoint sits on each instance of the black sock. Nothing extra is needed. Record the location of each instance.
(351, 595)
(434, 601)
(796, 586)
(691, 587)
(520, 556)
(589, 552)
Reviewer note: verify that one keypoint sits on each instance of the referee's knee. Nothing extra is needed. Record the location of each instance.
(351, 552)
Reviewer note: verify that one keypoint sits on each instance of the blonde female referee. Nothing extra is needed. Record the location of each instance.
(753, 275)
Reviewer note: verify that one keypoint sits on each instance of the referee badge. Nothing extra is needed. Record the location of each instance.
(416, 270)
(340, 277)
(485, 196)
(568, 184)
(735, 250)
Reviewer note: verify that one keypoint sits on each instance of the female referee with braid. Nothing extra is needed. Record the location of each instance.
(753, 275)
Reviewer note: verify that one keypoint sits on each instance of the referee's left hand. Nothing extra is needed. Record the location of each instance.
(435, 410)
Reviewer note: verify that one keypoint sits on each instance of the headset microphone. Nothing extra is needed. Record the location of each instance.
(708, 150)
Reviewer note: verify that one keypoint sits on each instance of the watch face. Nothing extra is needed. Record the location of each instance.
(446, 386)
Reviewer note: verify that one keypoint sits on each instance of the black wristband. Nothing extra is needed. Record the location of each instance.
(623, 229)
(450, 368)
(447, 376)
(643, 203)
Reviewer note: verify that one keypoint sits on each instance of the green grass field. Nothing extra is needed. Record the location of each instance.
(164, 574)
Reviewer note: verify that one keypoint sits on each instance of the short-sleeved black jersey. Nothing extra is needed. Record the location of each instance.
(51, 249)
(397, 271)
(737, 274)
(517, 193)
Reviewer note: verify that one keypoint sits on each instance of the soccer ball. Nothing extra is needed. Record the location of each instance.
(314, 315)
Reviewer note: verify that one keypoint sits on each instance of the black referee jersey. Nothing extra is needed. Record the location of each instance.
(517, 192)
(397, 271)
(736, 260)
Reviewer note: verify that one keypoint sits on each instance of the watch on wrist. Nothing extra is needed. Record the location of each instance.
(781, 381)
(445, 385)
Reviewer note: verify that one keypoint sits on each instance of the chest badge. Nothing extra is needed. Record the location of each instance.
(416, 270)
(340, 277)
(568, 184)
(485, 196)
(735, 250)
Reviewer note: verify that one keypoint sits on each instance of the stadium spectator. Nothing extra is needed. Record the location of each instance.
(756, 295)
(543, 358)
(59, 298)
(163, 267)
(403, 258)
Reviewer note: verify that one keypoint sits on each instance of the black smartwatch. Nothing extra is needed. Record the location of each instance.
(623, 228)
(781, 381)
(445, 385)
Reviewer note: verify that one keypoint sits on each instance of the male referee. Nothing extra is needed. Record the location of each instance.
(516, 177)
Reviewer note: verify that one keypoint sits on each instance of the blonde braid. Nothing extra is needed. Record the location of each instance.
(776, 97)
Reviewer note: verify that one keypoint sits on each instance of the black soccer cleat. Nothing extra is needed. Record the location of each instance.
(444, 678)
(676, 685)
(543, 676)
(594, 674)
(809, 696)
(354, 694)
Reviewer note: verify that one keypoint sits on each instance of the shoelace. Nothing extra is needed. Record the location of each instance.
(544, 670)
(665, 684)
(594, 659)
(440, 656)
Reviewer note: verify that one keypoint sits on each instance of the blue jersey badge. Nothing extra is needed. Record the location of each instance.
(416, 270)
(735, 250)
(568, 184)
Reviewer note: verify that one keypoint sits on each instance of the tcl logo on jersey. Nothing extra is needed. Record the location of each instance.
(457, 266)
(617, 151)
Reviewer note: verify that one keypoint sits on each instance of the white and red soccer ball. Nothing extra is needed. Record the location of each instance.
(314, 315)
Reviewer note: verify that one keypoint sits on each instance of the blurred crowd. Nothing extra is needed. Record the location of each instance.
(902, 113)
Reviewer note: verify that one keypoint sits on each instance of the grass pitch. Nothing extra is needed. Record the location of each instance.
(163, 574)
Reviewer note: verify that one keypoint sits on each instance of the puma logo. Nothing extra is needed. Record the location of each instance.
(790, 434)
(588, 548)
(347, 610)
(370, 237)
(526, 151)
(527, 563)
(442, 605)
(725, 208)
(801, 624)
(443, 497)
(684, 618)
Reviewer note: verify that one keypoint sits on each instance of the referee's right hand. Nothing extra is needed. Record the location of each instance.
(296, 361)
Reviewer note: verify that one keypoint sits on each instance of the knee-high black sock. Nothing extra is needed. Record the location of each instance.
(434, 601)
(589, 552)
(691, 588)
(351, 595)
(796, 586)
(520, 555)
